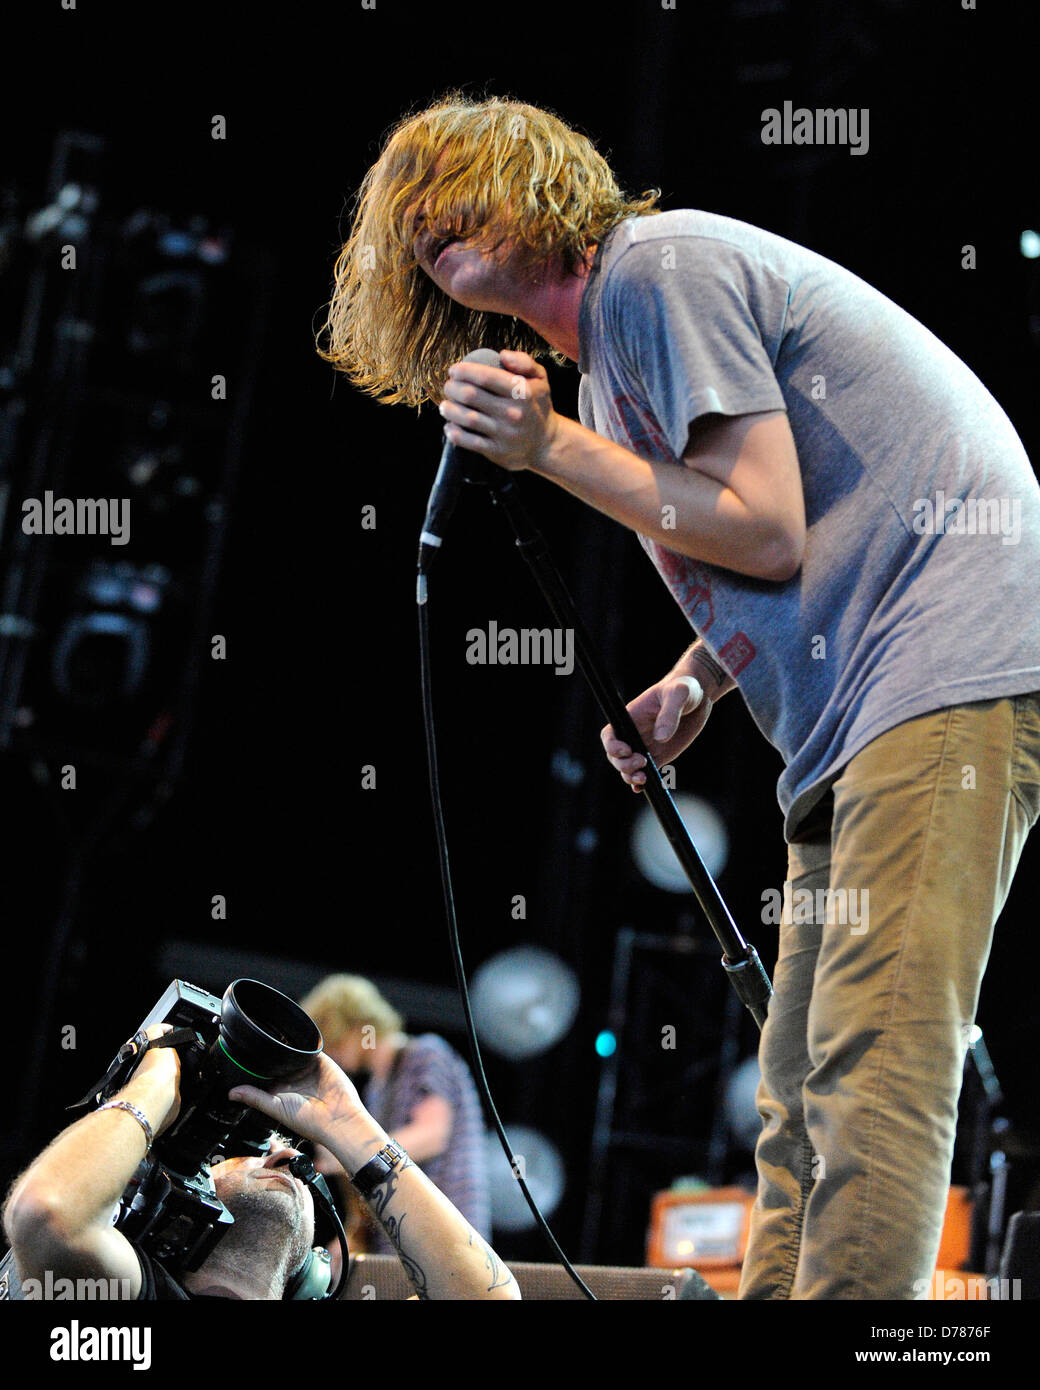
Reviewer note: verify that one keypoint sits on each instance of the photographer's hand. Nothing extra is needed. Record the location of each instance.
(160, 1069)
(323, 1101)
(442, 1254)
(59, 1214)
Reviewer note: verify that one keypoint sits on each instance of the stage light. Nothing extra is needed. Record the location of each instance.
(103, 650)
(524, 1001)
(655, 857)
(606, 1044)
(1029, 244)
(541, 1167)
(739, 1108)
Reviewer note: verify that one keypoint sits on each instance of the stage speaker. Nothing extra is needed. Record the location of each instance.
(379, 1277)
(1021, 1256)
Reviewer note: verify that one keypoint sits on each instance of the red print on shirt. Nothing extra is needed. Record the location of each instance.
(640, 426)
(738, 652)
(690, 583)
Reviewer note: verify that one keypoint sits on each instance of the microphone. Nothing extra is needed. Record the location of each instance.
(446, 487)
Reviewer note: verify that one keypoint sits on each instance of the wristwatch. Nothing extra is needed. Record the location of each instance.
(369, 1176)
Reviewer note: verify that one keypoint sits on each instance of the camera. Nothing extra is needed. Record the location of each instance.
(255, 1035)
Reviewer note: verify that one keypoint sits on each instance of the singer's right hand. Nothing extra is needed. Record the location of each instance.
(505, 413)
(668, 717)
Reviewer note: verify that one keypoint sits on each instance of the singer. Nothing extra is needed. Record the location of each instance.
(769, 425)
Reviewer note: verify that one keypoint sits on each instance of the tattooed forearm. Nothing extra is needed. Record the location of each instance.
(394, 1226)
(713, 666)
(500, 1277)
(440, 1252)
(723, 680)
(379, 1201)
(383, 1195)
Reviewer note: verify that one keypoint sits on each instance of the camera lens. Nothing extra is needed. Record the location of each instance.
(265, 1033)
(264, 1036)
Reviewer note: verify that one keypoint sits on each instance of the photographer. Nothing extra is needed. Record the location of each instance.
(58, 1215)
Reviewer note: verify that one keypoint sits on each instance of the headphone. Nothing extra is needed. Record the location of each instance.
(311, 1281)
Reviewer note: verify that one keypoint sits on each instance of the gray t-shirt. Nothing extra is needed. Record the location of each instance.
(918, 588)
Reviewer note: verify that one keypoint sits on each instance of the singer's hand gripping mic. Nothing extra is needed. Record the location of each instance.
(446, 486)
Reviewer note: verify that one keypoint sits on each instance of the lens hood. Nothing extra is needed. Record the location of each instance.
(265, 1033)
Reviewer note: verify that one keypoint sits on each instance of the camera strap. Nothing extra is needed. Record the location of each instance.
(126, 1060)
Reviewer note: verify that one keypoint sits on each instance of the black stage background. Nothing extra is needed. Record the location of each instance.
(321, 675)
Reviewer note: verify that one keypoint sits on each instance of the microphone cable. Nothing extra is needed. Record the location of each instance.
(453, 934)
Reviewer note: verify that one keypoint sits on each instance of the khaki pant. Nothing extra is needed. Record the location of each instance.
(863, 1051)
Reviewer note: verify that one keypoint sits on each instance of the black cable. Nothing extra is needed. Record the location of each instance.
(302, 1167)
(453, 935)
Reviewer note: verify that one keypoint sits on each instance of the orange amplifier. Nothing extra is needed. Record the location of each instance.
(705, 1229)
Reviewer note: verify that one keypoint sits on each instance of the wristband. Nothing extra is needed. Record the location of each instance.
(369, 1176)
(139, 1116)
(696, 693)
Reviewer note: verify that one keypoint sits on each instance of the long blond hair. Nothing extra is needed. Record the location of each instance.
(503, 169)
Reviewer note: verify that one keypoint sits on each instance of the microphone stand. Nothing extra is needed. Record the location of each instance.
(740, 960)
